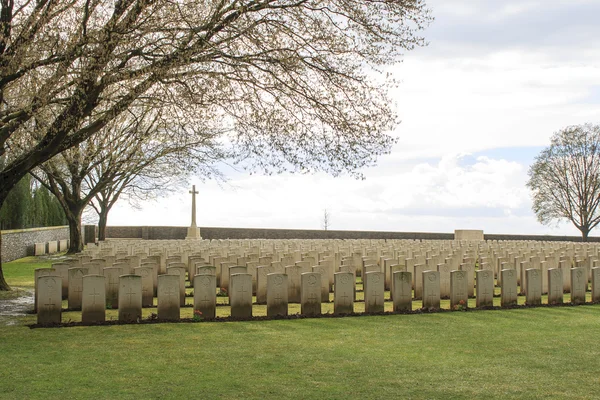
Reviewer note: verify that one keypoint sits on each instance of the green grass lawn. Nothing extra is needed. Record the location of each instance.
(519, 353)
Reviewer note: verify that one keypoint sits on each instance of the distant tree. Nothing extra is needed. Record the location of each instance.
(40, 209)
(16, 211)
(565, 178)
(326, 220)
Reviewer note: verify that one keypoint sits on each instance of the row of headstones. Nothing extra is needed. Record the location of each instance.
(93, 300)
(429, 259)
(51, 247)
(169, 300)
(72, 288)
(387, 265)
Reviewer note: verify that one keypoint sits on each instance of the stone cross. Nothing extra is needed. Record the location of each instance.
(193, 192)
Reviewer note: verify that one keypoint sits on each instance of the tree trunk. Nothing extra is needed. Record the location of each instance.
(3, 285)
(102, 220)
(76, 238)
(585, 231)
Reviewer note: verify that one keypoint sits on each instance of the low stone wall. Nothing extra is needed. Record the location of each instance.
(178, 232)
(543, 238)
(19, 243)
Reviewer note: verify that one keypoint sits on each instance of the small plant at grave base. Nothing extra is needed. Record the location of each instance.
(461, 306)
(222, 292)
(198, 315)
(153, 317)
(108, 305)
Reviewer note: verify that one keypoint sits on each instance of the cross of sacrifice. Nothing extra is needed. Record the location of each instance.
(193, 192)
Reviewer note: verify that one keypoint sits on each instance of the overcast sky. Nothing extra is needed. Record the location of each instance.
(477, 105)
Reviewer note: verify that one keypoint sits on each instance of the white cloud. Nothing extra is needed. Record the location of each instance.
(487, 194)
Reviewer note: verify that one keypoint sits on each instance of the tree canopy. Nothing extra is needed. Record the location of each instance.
(292, 84)
(565, 178)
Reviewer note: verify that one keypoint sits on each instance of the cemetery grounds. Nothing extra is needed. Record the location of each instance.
(546, 352)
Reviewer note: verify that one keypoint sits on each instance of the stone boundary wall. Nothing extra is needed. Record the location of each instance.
(19, 243)
(175, 232)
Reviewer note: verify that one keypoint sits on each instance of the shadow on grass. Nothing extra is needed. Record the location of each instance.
(153, 318)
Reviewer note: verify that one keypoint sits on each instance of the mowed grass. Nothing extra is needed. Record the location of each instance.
(519, 353)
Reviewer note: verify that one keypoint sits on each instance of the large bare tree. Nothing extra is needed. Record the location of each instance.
(565, 178)
(294, 80)
(140, 153)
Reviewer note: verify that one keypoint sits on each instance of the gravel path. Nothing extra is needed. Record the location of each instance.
(10, 309)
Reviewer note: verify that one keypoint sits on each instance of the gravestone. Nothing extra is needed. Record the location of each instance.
(523, 267)
(402, 288)
(49, 301)
(555, 286)
(147, 285)
(431, 289)
(192, 265)
(534, 286)
(130, 298)
(277, 295)
(393, 269)
(409, 266)
(578, 285)
(52, 247)
(328, 263)
(133, 262)
(93, 303)
(294, 283)
(37, 273)
(76, 287)
(310, 299)
(63, 245)
(206, 270)
(251, 269)
(418, 269)
(544, 276)
(458, 289)
(485, 288)
(240, 295)
(343, 293)
(369, 268)
(92, 268)
(168, 298)
(261, 283)
(112, 275)
(444, 270)
(386, 265)
(374, 290)
(595, 284)
(39, 249)
(319, 269)
(238, 269)
(205, 297)
(565, 267)
(180, 272)
(224, 268)
(508, 288)
(469, 268)
(62, 270)
(352, 270)
(101, 263)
